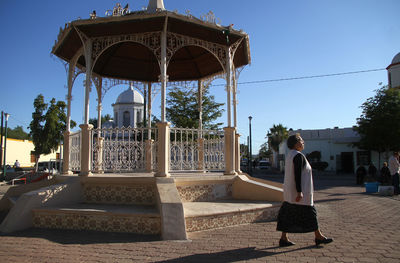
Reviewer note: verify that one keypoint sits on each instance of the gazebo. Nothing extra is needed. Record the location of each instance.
(151, 49)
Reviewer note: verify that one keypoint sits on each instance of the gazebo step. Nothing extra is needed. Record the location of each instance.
(137, 219)
(209, 215)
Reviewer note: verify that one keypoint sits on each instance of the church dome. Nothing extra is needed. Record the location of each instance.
(130, 96)
(396, 59)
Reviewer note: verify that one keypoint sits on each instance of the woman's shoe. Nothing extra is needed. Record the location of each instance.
(325, 240)
(285, 243)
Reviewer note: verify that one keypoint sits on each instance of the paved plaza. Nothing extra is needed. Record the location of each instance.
(365, 228)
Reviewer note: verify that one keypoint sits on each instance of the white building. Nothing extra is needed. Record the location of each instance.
(335, 146)
(394, 72)
(128, 110)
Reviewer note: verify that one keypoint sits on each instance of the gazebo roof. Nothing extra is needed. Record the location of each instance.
(133, 61)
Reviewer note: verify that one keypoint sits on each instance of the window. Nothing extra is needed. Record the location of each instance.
(33, 157)
(126, 119)
(363, 158)
(116, 119)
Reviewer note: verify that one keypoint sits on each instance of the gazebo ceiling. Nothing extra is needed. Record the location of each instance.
(133, 61)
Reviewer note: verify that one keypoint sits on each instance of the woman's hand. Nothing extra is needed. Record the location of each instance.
(299, 196)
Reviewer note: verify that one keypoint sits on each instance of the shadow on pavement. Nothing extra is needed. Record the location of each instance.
(68, 237)
(234, 255)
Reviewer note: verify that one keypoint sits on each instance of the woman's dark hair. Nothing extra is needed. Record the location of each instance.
(292, 140)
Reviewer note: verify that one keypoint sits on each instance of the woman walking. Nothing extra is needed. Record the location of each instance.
(297, 213)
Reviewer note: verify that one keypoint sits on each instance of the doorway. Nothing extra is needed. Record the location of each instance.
(347, 162)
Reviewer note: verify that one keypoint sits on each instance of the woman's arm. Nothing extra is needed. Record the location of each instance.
(298, 162)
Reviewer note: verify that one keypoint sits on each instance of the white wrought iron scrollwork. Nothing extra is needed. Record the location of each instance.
(120, 149)
(214, 150)
(210, 18)
(75, 151)
(177, 41)
(185, 149)
(118, 10)
(151, 40)
(109, 83)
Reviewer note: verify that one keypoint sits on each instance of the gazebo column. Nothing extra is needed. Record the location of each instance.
(229, 131)
(237, 136)
(237, 153)
(86, 127)
(99, 140)
(149, 142)
(200, 165)
(163, 127)
(67, 133)
(163, 149)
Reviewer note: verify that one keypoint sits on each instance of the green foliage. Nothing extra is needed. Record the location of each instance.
(244, 151)
(183, 110)
(18, 133)
(314, 156)
(379, 123)
(47, 125)
(319, 166)
(264, 151)
(276, 135)
(104, 119)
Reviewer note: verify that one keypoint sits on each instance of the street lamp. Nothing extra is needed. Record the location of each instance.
(250, 149)
(1, 140)
(5, 148)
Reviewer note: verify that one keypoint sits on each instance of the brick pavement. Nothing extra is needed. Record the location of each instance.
(365, 228)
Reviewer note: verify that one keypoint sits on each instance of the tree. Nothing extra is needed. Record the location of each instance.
(104, 119)
(379, 123)
(47, 126)
(264, 151)
(182, 109)
(276, 135)
(17, 133)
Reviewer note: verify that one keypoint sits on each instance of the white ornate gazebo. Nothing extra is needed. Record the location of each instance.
(150, 50)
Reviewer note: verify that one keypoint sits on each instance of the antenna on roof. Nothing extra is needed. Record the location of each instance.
(155, 5)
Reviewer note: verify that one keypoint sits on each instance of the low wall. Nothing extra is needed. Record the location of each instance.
(247, 189)
(20, 215)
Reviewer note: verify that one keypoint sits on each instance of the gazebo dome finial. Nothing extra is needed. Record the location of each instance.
(155, 5)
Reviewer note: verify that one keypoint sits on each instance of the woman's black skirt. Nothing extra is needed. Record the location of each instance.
(294, 218)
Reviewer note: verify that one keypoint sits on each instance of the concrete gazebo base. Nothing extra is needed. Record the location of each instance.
(170, 207)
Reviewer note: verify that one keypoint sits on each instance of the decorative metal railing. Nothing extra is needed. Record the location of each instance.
(75, 151)
(121, 149)
(214, 150)
(192, 149)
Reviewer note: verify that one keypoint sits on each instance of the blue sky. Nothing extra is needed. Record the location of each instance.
(288, 38)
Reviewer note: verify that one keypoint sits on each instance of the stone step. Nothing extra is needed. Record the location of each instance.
(210, 215)
(139, 219)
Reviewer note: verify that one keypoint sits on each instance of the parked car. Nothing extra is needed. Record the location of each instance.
(264, 164)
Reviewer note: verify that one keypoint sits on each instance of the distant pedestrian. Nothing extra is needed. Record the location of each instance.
(372, 171)
(17, 164)
(360, 174)
(394, 167)
(385, 174)
(297, 213)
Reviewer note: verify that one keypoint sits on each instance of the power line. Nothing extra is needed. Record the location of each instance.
(306, 77)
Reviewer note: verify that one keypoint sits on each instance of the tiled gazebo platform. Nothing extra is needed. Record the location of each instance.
(141, 203)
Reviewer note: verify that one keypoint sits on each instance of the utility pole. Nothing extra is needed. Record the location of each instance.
(6, 115)
(251, 152)
(1, 141)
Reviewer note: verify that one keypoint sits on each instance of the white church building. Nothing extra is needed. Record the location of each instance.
(128, 110)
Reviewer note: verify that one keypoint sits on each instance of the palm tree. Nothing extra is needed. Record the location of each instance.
(276, 135)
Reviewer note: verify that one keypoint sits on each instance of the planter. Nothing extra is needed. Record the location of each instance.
(371, 187)
(386, 190)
